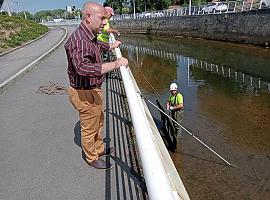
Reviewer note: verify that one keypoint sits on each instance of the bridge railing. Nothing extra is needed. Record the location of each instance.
(62, 23)
(227, 7)
(161, 177)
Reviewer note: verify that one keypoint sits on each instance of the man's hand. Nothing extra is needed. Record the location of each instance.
(117, 33)
(115, 44)
(171, 108)
(114, 31)
(121, 62)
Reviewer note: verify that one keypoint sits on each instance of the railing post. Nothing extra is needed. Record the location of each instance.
(242, 5)
(251, 5)
(235, 3)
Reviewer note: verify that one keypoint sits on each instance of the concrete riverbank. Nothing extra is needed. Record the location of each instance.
(249, 27)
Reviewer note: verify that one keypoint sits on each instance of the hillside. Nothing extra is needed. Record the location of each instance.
(16, 31)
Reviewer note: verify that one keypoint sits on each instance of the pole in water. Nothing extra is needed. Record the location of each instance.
(228, 163)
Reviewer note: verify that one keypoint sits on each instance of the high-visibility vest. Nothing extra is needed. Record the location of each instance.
(175, 100)
(104, 35)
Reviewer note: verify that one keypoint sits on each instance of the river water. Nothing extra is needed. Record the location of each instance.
(226, 89)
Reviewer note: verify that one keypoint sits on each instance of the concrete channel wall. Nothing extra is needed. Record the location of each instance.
(250, 27)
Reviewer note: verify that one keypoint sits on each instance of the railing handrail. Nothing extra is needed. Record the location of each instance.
(157, 179)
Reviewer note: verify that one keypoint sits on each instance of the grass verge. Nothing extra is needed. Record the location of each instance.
(17, 31)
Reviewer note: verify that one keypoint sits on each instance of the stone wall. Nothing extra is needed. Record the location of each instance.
(251, 27)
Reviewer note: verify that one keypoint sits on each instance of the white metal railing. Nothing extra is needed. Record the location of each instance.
(227, 7)
(62, 23)
(161, 177)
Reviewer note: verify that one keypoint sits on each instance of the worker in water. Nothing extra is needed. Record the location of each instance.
(176, 105)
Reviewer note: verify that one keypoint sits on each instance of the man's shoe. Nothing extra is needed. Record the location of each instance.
(107, 151)
(101, 164)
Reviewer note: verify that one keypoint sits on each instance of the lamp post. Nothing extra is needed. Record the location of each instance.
(16, 10)
(145, 1)
(25, 17)
(134, 11)
(189, 12)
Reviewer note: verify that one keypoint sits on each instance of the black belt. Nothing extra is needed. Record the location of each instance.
(85, 88)
(178, 109)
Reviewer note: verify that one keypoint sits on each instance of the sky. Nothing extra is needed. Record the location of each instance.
(34, 6)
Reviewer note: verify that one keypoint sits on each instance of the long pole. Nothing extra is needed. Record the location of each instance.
(193, 135)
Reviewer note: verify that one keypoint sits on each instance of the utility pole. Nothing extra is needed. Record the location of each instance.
(25, 17)
(189, 12)
(17, 7)
(145, 1)
(134, 11)
(8, 8)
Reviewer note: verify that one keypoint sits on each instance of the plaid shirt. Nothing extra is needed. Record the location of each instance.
(84, 58)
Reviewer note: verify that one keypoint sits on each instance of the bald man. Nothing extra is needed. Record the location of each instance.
(86, 74)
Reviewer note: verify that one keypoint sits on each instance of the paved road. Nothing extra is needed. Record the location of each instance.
(40, 141)
(16, 60)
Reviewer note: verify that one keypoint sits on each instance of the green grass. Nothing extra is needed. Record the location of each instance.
(16, 31)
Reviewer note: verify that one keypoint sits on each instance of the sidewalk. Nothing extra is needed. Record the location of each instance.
(41, 156)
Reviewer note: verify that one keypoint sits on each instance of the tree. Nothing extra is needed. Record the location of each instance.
(49, 14)
(140, 5)
(117, 5)
(160, 4)
(27, 14)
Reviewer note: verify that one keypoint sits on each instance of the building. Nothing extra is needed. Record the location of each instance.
(70, 9)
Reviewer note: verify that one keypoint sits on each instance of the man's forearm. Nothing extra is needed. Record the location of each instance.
(179, 106)
(107, 67)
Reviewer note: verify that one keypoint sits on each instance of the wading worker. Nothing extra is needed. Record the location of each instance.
(86, 74)
(175, 104)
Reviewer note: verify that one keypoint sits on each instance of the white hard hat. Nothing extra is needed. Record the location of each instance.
(173, 86)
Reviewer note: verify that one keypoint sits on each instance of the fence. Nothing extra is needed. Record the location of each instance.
(212, 8)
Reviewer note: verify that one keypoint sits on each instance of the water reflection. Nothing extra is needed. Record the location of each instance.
(247, 59)
(227, 103)
(248, 82)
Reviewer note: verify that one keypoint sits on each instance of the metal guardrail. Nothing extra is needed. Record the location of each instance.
(161, 177)
(227, 7)
(62, 23)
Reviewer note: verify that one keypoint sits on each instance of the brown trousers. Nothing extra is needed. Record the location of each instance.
(89, 105)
